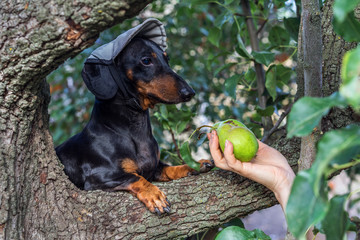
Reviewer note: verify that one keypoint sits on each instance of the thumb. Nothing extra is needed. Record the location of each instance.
(229, 152)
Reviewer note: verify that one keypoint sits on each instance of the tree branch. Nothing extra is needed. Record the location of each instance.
(259, 70)
(176, 146)
(276, 126)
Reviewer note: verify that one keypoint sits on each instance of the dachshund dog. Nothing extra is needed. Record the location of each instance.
(116, 150)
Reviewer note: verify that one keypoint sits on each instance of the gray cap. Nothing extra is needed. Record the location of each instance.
(151, 29)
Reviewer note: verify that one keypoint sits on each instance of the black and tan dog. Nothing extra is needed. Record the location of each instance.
(116, 150)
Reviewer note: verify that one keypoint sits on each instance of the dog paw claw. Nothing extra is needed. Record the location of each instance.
(157, 211)
(206, 165)
(167, 209)
(168, 203)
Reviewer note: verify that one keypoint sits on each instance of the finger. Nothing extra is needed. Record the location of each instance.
(243, 168)
(230, 157)
(229, 152)
(214, 147)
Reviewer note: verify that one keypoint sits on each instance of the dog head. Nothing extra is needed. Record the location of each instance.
(134, 68)
(147, 69)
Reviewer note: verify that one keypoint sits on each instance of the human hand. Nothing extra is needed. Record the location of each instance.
(269, 167)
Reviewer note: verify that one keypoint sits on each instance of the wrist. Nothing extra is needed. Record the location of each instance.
(282, 193)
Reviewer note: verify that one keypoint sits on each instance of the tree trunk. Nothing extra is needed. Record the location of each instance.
(311, 57)
(334, 48)
(37, 201)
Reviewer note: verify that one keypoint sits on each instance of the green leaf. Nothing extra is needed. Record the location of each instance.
(292, 26)
(234, 233)
(260, 235)
(198, 2)
(221, 68)
(350, 73)
(349, 28)
(270, 82)
(335, 148)
(230, 85)
(277, 75)
(304, 208)
(343, 7)
(351, 65)
(307, 112)
(263, 57)
(227, 2)
(283, 73)
(215, 36)
(186, 156)
(278, 36)
(180, 127)
(241, 49)
(222, 19)
(235, 222)
(351, 92)
(238, 233)
(201, 140)
(335, 223)
(250, 75)
(265, 112)
(163, 112)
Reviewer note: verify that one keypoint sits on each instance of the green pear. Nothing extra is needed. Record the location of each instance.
(224, 126)
(243, 140)
(231, 122)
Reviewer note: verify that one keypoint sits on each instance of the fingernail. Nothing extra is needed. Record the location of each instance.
(226, 143)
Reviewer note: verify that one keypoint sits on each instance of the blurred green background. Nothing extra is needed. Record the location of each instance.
(207, 44)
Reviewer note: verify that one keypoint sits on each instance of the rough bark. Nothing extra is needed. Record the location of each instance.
(37, 201)
(311, 46)
(334, 48)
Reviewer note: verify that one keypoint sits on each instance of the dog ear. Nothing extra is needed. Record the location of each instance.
(99, 80)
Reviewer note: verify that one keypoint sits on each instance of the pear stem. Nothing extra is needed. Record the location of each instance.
(198, 129)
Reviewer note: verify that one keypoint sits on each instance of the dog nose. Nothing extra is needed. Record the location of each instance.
(187, 93)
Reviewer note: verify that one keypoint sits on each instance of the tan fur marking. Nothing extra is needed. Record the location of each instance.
(129, 74)
(174, 172)
(154, 55)
(149, 194)
(129, 165)
(163, 87)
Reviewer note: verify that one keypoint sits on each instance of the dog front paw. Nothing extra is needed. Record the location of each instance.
(205, 166)
(154, 199)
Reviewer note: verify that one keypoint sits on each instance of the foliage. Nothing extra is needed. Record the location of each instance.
(235, 230)
(336, 150)
(238, 233)
(229, 59)
(210, 47)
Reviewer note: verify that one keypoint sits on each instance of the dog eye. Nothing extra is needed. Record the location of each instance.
(146, 61)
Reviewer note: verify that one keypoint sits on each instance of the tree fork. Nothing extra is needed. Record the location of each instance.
(37, 200)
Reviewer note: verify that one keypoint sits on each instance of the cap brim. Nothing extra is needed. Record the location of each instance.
(151, 29)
